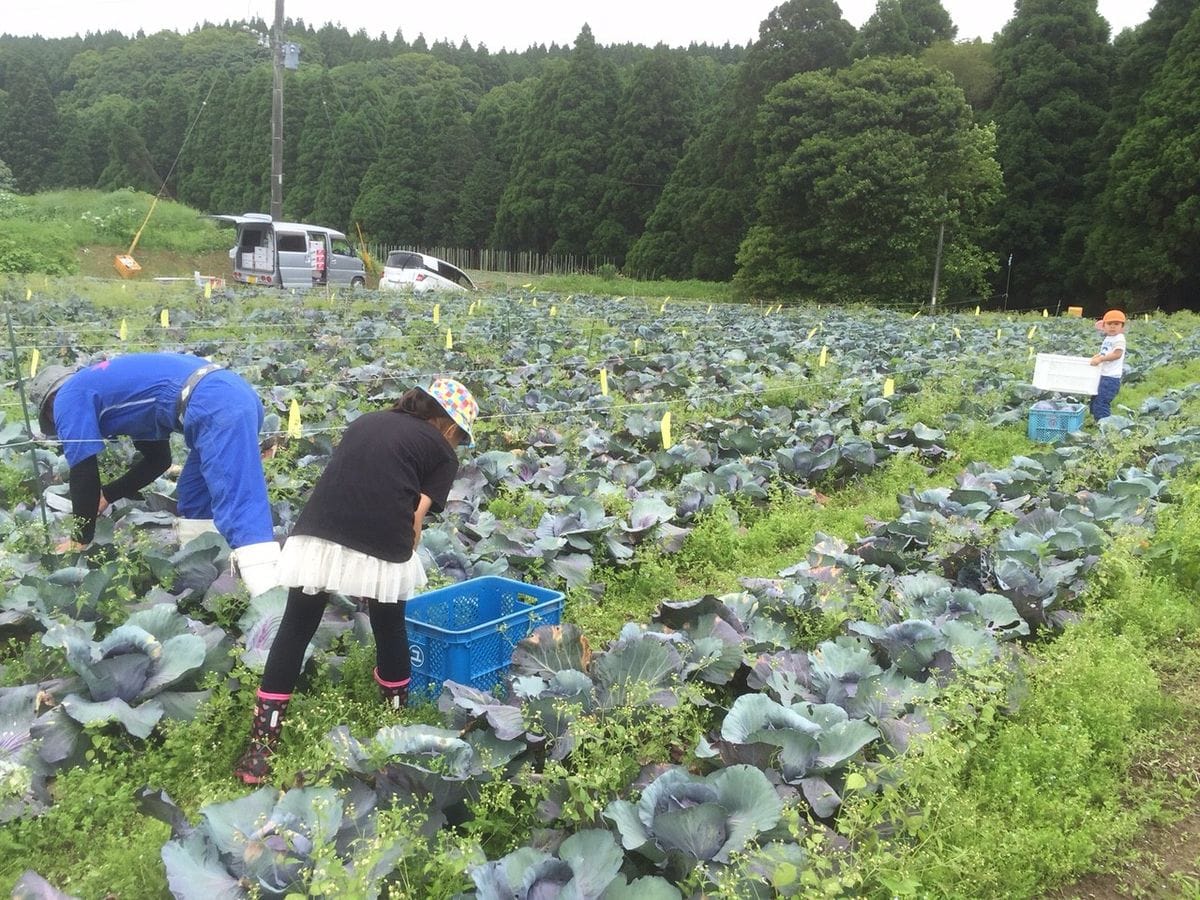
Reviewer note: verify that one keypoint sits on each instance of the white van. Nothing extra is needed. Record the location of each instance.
(292, 254)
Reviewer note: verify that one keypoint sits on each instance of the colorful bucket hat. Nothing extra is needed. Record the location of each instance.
(458, 403)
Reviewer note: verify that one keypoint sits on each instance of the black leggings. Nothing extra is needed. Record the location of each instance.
(300, 621)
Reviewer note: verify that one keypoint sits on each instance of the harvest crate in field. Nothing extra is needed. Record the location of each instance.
(466, 632)
(1050, 420)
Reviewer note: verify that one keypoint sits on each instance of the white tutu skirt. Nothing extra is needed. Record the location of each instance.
(314, 565)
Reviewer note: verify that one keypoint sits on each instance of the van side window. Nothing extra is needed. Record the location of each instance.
(342, 247)
(293, 243)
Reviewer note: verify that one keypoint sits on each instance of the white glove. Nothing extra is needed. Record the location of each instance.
(257, 564)
(189, 529)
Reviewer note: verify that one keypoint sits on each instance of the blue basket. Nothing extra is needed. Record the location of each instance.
(466, 632)
(1048, 423)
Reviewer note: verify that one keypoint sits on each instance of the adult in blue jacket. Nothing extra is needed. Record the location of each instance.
(147, 396)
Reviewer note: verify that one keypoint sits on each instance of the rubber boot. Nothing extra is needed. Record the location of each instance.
(394, 693)
(257, 564)
(255, 763)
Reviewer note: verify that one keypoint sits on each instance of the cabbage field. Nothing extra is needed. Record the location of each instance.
(834, 625)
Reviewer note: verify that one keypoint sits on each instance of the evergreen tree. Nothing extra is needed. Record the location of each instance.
(29, 130)
(1054, 63)
(201, 171)
(861, 168)
(972, 63)
(350, 155)
(129, 163)
(708, 202)
(447, 150)
(389, 202)
(656, 116)
(551, 202)
(244, 182)
(310, 139)
(495, 133)
(1147, 238)
(903, 28)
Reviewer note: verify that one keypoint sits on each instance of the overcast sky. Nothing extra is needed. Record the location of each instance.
(514, 24)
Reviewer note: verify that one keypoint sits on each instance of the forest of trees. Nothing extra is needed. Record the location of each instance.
(1061, 163)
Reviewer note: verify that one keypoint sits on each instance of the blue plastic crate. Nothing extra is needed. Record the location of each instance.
(1049, 422)
(466, 632)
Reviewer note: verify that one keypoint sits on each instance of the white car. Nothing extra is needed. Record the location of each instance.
(406, 270)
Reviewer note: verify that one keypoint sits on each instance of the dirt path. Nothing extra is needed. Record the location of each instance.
(1164, 861)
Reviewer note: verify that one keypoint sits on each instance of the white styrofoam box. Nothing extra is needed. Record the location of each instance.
(1066, 374)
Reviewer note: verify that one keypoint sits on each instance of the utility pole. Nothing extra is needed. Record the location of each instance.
(1007, 281)
(937, 266)
(277, 115)
(937, 261)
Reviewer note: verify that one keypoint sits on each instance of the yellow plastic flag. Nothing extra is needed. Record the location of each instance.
(527, 286)
(437, 313)
(553, 310)
(824, 356)
(1177, 334)
(683, 332)
(889, 387)
(1031, 351)
(709, 310)
(207, 290)
(1032, 331)
(977, 310)
(533, 302)
(1045, 313)
(958, 334)
(999, 334)
(449, 340)
(604, 382)
(293, 426)
(471, 310)
(814, 331)
(917, 313)
(164, 318)
(33, 362)
(123, 331)
(663, 308)
(666, 430)
(28, 294)
(637, 345)
(1146, 317)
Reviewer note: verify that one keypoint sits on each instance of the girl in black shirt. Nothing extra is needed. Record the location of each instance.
(357, 536)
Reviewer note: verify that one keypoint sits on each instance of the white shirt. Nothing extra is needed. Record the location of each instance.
(1114, 368)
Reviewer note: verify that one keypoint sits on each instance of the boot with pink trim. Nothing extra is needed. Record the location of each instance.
(255, 763)
(394, 693)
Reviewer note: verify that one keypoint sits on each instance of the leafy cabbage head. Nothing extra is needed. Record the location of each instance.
(685, 819)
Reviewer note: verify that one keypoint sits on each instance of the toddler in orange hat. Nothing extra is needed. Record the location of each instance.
(1111, 360)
